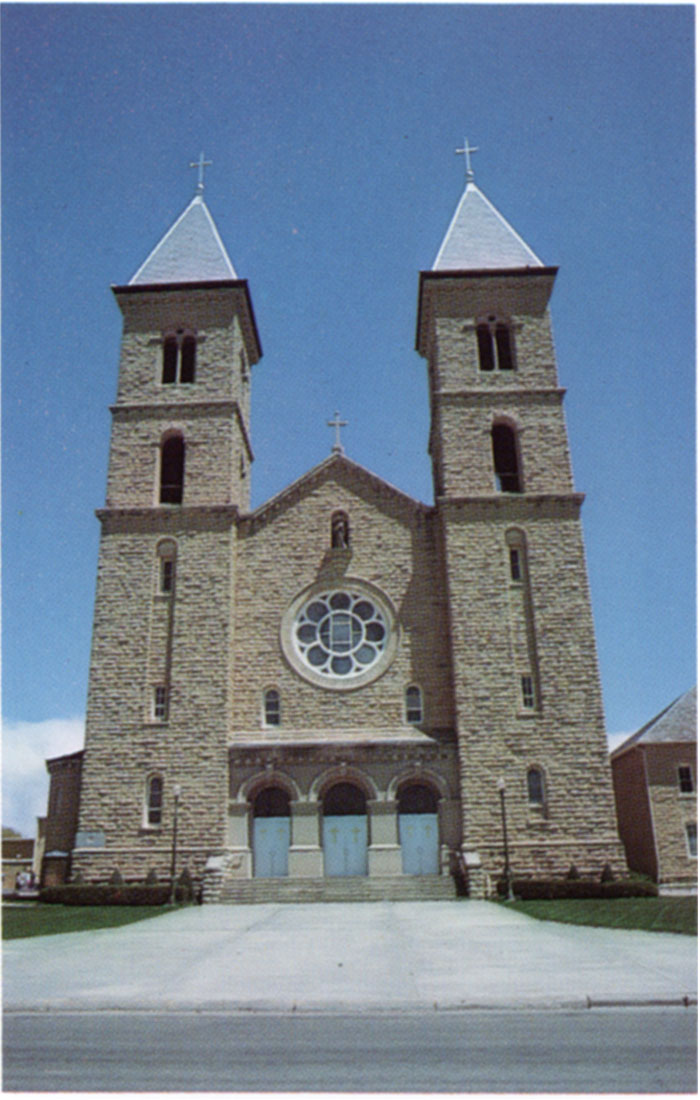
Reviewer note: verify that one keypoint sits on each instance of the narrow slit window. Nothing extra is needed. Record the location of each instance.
(527, 688)
(169, 360)
(179, 358)
(535, 787)
(155, 800)
(686, 783)
(516, 564)
(691, 838)
(187, 359)
(166, 552)
(172, 470)
(504, 347)
(414, 705)
(160, 703)
(505, 459)
(485, 343)
(273, 710)
(167, 575)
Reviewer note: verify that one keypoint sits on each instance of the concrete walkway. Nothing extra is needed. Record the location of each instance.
(338, 957)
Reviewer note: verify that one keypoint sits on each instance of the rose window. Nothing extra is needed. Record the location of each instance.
(340, 634)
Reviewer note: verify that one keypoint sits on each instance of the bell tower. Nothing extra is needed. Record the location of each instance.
(527, 692)
(159, 697)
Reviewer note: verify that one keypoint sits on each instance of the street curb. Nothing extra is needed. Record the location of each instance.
(343, 1008)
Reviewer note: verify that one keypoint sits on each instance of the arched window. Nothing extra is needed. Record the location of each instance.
(154, 800)
(417, 798)
(495, 343)
(505, 459)
(414, 705)
(535, 787)
(340, 531)
(271, 802)
(172, 469)
(166, 552)
(179, 358)
(272, 708)
(343, 799)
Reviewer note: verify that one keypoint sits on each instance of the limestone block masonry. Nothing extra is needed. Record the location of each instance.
(449, 646)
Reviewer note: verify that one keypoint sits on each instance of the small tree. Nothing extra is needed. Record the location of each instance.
(115, 879)
(572, 874)
(152, 877)
(607, 875)
(185, 886)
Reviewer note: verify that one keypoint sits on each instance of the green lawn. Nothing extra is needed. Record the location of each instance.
(48, 920)
(646, 914)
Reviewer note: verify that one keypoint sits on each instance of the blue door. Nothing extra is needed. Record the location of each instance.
(345, 845)
(271, 836)
(418, 834)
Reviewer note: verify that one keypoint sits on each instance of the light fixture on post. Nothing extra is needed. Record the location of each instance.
(176, 801)
(510, 896)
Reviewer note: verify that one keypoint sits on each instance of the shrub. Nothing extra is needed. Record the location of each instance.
(607, 875)
(115, 878)
(530, 889)
(572, 874)
(101, 893)
(152, 877)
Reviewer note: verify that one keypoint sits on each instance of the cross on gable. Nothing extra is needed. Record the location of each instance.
(337, 448)
(467, 151)
(201, 164)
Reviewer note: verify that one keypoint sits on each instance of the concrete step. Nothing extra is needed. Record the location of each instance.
(406, 888)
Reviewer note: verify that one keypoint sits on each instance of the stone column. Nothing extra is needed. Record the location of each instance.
(240, 861)
(305, 853)
(384, 855)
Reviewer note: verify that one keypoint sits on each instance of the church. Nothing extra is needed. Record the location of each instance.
(346, 692)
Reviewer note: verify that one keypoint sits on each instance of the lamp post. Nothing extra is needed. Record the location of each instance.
(510, 896)
(176, 800)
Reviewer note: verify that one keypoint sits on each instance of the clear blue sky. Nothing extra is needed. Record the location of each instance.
(332, 130)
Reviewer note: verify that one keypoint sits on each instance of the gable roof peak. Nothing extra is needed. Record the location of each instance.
(479, 237)
(190, 252)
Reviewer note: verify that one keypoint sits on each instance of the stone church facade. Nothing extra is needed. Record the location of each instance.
(327, 690)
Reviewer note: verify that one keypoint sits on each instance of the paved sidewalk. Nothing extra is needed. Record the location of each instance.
(338, 957)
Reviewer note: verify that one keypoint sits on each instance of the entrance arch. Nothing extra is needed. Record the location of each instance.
(271, 833)
(344, 830)
(419, 834)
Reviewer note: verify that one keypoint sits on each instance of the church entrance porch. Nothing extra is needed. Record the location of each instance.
(378, 814)
(344, 831)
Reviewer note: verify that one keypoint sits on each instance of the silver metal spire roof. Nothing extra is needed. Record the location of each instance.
(190, 252)
(480, 238)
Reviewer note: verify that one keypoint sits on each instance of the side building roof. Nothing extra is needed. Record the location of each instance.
(676, 723)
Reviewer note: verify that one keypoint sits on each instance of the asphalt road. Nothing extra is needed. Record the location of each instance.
(634, 1050)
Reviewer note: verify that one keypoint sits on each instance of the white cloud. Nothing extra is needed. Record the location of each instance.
(616, 739)
(26, 746)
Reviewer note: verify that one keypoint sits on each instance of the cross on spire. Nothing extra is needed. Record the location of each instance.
(337, 448)
(201, 164)
(467, 151)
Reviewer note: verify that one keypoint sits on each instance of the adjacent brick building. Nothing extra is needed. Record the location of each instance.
(331, 686)
(654, 775)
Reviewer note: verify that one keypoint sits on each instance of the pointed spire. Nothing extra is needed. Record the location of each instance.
(192, 250)
(479, 237)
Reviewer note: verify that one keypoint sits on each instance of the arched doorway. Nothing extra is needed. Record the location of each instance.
(418, 830)
(271, 833)
(344, 830)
